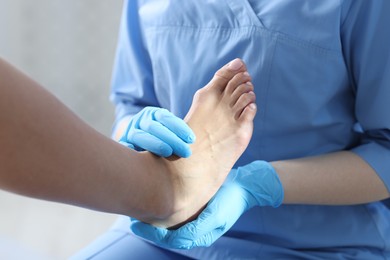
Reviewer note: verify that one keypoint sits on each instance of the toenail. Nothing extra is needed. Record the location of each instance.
(235, 64)
(252, 106)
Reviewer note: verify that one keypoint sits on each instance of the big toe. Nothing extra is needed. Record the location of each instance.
(226, 73)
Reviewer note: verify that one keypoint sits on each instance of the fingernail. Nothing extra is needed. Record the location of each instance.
(252, 106)
(235, 64)
(191, 139)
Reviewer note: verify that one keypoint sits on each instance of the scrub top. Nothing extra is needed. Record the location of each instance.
(321, 71)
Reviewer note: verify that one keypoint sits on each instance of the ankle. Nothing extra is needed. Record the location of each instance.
(157, 203)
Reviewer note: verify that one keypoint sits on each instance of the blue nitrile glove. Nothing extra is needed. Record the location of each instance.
(255, 184)
(159, 131)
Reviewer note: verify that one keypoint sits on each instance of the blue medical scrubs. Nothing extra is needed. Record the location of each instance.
(321, 71)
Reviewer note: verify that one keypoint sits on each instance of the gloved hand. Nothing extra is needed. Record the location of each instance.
(159, 131)
(255, 184)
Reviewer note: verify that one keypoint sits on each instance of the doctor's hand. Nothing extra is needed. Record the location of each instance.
(158, 131)
(255, 184)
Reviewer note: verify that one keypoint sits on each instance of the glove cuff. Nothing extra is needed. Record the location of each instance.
(260, 179)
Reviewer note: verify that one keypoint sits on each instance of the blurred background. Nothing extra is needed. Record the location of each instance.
(67, 46)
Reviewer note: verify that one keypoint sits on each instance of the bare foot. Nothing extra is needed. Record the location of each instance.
(221, 116)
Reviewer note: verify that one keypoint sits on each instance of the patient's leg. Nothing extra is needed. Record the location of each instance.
(221, 116)
(47, 152)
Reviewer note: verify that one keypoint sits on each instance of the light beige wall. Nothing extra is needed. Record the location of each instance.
(68, 46)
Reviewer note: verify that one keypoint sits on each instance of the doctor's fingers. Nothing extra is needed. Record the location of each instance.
(191, 236)
(159, 236)
(165, 135)
(128, 145)
(142, 140)
(208, 239)
(175, 124)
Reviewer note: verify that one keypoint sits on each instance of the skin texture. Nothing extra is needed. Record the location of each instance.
(47, 152)
(340, 178)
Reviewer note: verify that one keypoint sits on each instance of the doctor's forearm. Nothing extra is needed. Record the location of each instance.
(340, 178)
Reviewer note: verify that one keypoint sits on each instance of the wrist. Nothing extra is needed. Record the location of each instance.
(235, 182)
(261, 181)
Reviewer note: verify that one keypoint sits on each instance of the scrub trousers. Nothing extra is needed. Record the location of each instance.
(119, 243)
